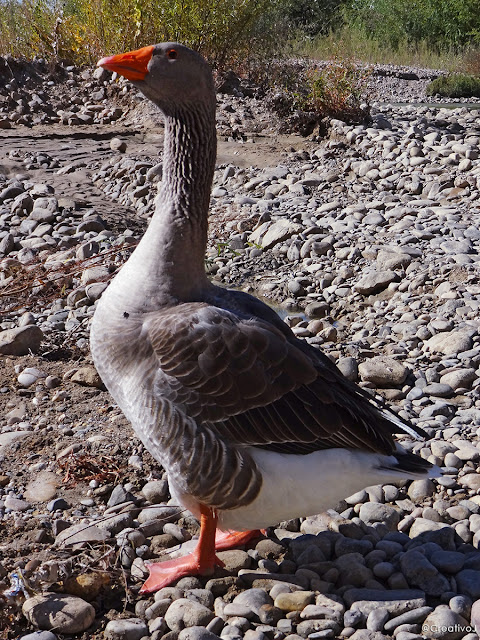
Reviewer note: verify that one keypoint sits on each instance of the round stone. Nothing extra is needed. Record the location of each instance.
(64, 613)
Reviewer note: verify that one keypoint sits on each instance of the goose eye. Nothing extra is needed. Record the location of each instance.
(172, 54)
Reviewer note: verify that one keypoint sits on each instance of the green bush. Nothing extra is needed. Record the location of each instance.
(83, 30)
(307, 99)
(455, 85)
(443, 24)
(313, 17)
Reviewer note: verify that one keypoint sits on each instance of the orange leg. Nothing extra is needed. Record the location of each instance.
(202, 560)
(231, 539)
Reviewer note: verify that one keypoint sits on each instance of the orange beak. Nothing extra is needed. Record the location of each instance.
(132, 65)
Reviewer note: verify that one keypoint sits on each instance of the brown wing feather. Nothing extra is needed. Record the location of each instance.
(254, 383)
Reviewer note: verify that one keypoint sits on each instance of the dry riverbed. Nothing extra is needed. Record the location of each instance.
(368, 242)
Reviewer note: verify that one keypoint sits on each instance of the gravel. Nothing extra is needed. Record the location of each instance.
(367, 243)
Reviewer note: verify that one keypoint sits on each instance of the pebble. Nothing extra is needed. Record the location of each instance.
(187, 613)
(387, 287)
(40, 635)
(382, 371)
(126, 629)
(445, 624)
(295, 601)
(63, 613)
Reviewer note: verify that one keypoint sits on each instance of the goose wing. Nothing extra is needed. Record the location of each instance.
(254, 384)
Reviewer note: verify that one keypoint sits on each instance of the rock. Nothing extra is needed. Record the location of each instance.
(81, 533)
(118, 145)
(444, 624)
(459, 378)
(15, 504)
(187, 613)
(40, 635)
(420, 489)
(419, 572)
(126, 629)
(234, 560)
(88, 377)
(371, 512)
(422, 525)
(382, 371)
(64, 613)
(449, 342)
(395, 601)
(468, 583)
(267, 237)
(410, 617)
(295, 601)
(375, 282)
(476, 614)
(42, 488)
(197, 633)
(20, 341)
(87, 585)
(349, 368)
(156, 491)
(471, 481)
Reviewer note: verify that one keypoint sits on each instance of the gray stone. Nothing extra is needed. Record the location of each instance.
(396, 601)
(126, 629)
(40, 635)
(81, 533)
(254, 599)
(375, 282)
(377, 618)
(20, 341)
(197, 633)
(409, 617)
(349, 368)
(156, 491)
(64, 613)
(420, 489)
(187, 613)
(383, 371)
(422, 525)
(444, 624)
(448, 561)
(460, 378)
(468, 583)
(371, 512)
(270, 234)
(438, 390)
(118, 145)
(450, 342)
(420, 572)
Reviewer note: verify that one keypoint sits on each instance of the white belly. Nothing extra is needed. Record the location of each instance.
(295, 486)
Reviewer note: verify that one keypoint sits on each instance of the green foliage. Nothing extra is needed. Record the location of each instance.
(442, 24)
(83, 30)
(313, 17)
(338, 90)
(306, 98)
(455, 85)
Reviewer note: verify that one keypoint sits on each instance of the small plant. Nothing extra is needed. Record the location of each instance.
(455, 85)
(338, 90)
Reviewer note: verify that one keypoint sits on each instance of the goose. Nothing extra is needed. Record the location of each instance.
(252, 425)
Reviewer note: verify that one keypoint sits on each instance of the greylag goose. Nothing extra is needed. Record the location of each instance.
(252, 425)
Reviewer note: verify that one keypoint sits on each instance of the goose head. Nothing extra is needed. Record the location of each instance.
(170, 74)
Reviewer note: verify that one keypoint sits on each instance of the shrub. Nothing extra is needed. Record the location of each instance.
(455, 85)
(338, 90)
(83, 30)
(443, 24)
